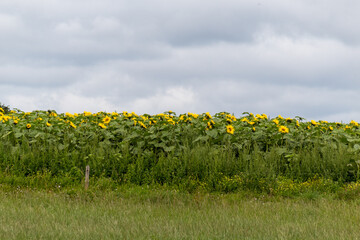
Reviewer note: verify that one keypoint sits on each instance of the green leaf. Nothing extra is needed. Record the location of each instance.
(212, 133)
(169, 149)
(6, 134)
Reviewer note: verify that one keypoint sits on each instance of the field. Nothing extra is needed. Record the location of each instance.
(169, 176)
(190, 152)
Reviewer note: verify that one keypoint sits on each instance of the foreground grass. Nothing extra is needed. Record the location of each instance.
(141, 213)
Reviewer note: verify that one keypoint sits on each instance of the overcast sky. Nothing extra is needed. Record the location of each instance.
(294, 58)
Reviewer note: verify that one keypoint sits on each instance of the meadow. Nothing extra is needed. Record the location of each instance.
(158, 213)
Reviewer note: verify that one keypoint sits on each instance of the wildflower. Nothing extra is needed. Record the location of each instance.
(264, 116)
(283, 129)
(53, 114)
(1, 109)
(276, 121)
(244, 120)
(331, 128)
(251, 123)
(102, 125)
(28, 126)
(16, 121)
(280, 117)
(288, 119)
(208, 115)
(48, 124)
(87, 113)
(230, 129)
(253, 129)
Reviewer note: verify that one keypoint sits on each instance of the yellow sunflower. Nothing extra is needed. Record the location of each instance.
(230, 129)
(283, 129)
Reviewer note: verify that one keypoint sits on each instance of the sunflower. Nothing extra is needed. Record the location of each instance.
(276, 121)
(230, 129)
(28, 126)
(142, 124)
(106, 119)
(283, 129)
(208, 115)
(314, 123)
(72, 125)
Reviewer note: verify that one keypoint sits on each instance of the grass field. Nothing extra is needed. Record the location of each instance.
(141, 213)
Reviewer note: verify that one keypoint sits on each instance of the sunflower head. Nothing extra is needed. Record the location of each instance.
(230, 129)
(283, 129)
(106, 119)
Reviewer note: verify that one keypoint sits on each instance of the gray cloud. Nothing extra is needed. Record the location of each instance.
(275, 57)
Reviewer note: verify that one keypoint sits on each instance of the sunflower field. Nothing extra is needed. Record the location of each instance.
(217, 152)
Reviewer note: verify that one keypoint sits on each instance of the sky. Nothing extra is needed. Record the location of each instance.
(293, 58)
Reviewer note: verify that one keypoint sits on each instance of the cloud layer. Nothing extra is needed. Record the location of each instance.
(275, 57)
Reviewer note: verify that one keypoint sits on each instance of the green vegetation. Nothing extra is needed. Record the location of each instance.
(177, 177)
(6, 109)
(189, 152)
(150, 213)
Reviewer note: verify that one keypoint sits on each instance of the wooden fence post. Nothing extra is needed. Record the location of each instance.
(87, 173)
